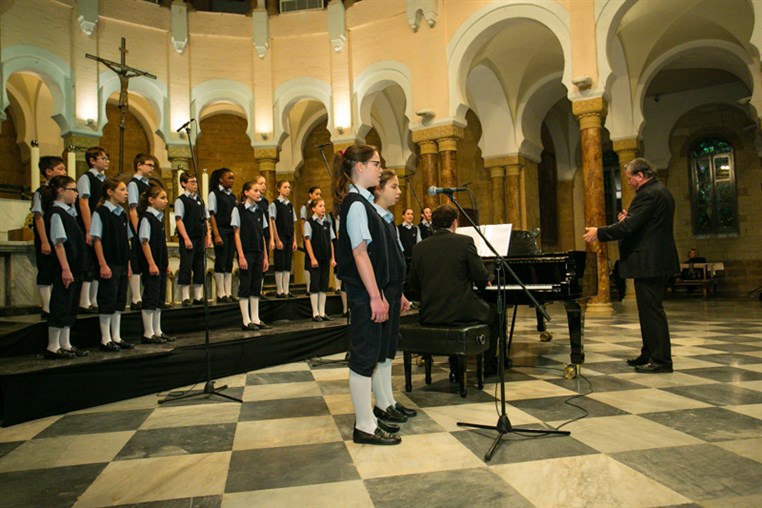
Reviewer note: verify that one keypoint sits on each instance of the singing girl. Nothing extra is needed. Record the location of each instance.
(282, 218)
(318, 236)
(221, 203)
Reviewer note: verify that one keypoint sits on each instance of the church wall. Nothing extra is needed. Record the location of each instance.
(305, 56)
(135, 141)
(25, 26)
(223, 143)
(11, 166)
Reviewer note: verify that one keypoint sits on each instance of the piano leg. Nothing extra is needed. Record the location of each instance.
(574, 317)
(461, 359)
(408, 375)
(545, 334)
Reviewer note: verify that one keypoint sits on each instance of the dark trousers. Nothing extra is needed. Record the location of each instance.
(192, 260)
(135, 253)
(112, 293)
(319, 276)
(64, 301)
(223, 254)
(366, 345)
(283, 257)
(154, 289)
(390, 328)
(654, 329)
(45, 266)
(92, 265)
(251, 279)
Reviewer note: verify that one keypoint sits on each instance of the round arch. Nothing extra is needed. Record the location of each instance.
(291, 92)
(374, 79)
(153, 91)
(223, 90)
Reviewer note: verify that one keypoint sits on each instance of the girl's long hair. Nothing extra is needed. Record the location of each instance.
(246, 186)
(151, 192)
(342, 169)
(109, 184)
(49, 192)
(386, 175)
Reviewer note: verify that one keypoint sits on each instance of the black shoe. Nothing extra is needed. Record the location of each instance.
(388, 427)
(637, 362)
(84, 310)
(198, 302)
(152, 340)
(93, 309)
(61, 354)
(251, 327)
(326, 318)
(317, 319)
(123, 344)
(232, 299)
(222, 299)
(654, 368)
(165, 337)
(44, 315)
(110, 347)
(389, 414)
(290, 295)
(186, 303)
(264, 297)
(166, 305)
(379, 437)
(281, 295)
(263, 326)
(346, 314)
(136, 306)
(405, 410)
(79, 353)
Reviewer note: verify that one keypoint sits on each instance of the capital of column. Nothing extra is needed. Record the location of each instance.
(497, 162)
(622, 145)
(80, 142)
(428, 147)
(447, 144)
(513, 170)
(589, 112)
(178, 152)
(438, 132)
(496, 172)
(266, 153)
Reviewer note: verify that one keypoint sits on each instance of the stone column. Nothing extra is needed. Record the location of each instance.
(627, 150)
(437, 168)
(267, 157)
(513, 210)
(497, 180)
(180, 160)
(590, 113)
(448, 161)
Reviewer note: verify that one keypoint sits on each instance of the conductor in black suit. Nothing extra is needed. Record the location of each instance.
(648, 255)
(444, 269)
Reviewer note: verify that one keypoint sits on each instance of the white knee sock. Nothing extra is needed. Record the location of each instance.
(254, 306)
(321, 303)
(116, 326)
(279, 282)
(105, 322)
(337, 283)
(229, 284)
(314, 303)
(65, 342)
(84, 295)
(147, 316)
(219, 279)
(157, 322)
(286, 281)
(359, 389)
(135, 288)
(386, 371)
(307, 279)
(185, 293)
(198, 292)
(379, 390)
(243, 303)
(344, 301)
(94, 292)
(45, 297)
(54, 339)
(262, 286)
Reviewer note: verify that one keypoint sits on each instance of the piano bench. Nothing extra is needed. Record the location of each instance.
(456, 340)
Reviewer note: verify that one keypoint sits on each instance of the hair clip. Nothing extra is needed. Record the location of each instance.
(343, 152)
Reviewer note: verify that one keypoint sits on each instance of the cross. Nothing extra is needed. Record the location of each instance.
(124, 72)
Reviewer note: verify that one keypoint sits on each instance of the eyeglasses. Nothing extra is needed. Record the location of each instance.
(189, 182)
(71, 189)
(104, 159)
(151, 164)
(377, 163)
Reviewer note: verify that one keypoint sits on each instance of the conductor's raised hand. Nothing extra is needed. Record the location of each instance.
(591, 235)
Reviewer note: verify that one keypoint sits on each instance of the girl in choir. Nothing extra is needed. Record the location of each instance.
(386, 195)
(264, 204)
(154, 262)
(69, 264)
(249, 223)
(282, 218)
(221, 203)
(304, 214)
(318, 236)
(111, 241)
(363, 267)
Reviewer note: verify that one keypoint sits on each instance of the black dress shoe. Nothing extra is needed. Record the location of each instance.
(264, 297)
(405, 410)
(317, 319)
(110, 347)
(186, 303)
(233, 299)
(389, 414)
(166, 338)
(198, 302)
(251, 327)
(44, 315)
(326, 318)
(388, 427)
(636, 362)
(79, 353)
(93, 309)
(654, 368)
(263, 326)
(379, 437)
(123, 344)
(290, 295)
(166, 305)
(281, 295)
(155, 339)
(60, 354)
(345, 314)
(222, 299)
(136, 306)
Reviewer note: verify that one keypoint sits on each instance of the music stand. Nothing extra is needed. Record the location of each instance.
(503, 425)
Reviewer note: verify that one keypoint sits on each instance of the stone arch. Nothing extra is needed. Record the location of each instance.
(489, 103)
(608, 15)
(484, 24)
(291, 92)
(375, 79)
(223, 91)
(543, 95)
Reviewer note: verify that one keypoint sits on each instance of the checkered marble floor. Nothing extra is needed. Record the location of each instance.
(690, 438)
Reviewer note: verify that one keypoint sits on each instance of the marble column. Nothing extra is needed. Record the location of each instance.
(438, 158)
(497, 180)
(267, 158)
(590, 113)
(627, 150)
(427, 165)
(513, 210)
(448, 161)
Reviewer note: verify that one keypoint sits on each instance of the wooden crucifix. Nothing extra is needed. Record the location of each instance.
(125, 73)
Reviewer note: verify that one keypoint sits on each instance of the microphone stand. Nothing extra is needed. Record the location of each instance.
(209, 388)
(503, 425)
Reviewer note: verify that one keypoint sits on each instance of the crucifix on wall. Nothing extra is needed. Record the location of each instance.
(124, 72)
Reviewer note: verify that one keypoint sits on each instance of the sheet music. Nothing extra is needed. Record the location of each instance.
(499, 235)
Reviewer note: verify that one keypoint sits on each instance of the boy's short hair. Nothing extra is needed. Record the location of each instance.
(185, 176)
(48, 162)
(141, 158)
(93, 153)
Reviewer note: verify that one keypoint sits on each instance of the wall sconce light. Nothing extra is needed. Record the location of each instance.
(264, 136)
(90, 121)
(583, 82)
(426, 114)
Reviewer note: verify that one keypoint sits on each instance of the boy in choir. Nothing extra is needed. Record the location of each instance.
(221, 203)
(49, 166)
(194, 235)
(69, 264)
(304, 214)
(249, 222)
(111, 242)
(90, 189)
(154, 262)
(409, 236)
(424, 227)
(282, 218)
(318, 236)
(144, 166)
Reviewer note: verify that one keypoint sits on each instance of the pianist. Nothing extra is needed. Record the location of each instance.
(444, 269)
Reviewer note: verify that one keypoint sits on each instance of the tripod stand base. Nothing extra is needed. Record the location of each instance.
(504, 427)
(208, 391)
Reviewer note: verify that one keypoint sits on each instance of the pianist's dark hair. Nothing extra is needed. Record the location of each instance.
(442, 216)
(640, 165)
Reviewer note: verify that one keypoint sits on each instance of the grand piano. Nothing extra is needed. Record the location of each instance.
(567, 277)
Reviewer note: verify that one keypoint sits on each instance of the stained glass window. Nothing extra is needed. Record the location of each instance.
(713, 188)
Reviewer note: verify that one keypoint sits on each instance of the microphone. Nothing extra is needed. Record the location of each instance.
(186, 124)
(433, 191)
(318, 147)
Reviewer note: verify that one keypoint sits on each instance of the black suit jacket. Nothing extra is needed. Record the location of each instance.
(646, 239)
(444, 269)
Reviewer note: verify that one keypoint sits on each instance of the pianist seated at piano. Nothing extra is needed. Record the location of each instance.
(445, 267)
